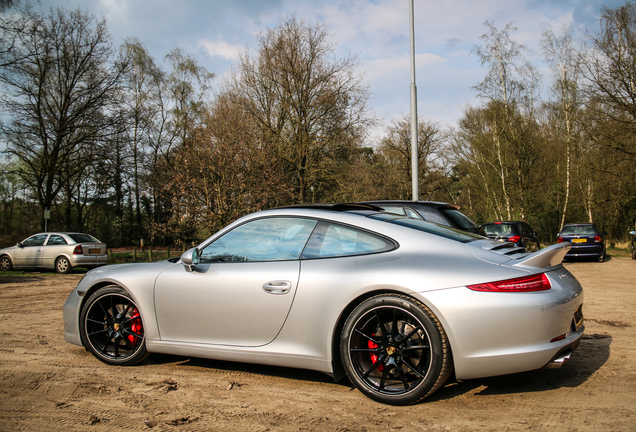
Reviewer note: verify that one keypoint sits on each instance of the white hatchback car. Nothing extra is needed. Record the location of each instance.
(57, 250)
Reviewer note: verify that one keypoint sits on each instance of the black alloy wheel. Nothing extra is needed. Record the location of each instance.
(111, 327)
(395, 350)
(5, 263)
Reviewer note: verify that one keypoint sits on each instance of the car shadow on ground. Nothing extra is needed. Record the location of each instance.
(593, 352)
(273, 371)
(590, 356)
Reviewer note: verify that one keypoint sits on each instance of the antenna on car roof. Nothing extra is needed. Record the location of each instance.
(430, 196)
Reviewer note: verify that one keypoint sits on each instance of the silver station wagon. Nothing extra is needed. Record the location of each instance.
(56, 250)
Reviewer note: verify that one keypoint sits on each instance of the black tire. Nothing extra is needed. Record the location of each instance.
(395, 350)
(601, 258)
(63, 265)
(633, 251)
(5, 263)
(111, 327)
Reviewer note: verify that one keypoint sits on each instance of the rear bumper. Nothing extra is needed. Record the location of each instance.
(83, 260)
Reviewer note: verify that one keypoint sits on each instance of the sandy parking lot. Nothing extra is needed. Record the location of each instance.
(49, 385)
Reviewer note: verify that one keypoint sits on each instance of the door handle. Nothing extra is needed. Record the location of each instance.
(277, 287)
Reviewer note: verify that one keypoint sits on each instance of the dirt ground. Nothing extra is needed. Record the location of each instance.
(47, 384)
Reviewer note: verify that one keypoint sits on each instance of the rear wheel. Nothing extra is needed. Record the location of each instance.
(63, 265)
(5, 263)
(111, 327)
(395, 350)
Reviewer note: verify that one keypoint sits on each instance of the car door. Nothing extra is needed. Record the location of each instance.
(29, 255)
(241, 291)
(55, 246)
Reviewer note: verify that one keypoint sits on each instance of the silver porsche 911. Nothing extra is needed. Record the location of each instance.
(395, 304)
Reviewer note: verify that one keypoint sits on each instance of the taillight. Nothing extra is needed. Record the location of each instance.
(524, 284)
(597, 239)
(77, 250)
(560, 240)
(514, 238)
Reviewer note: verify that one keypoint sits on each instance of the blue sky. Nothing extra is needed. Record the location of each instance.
(377, 31)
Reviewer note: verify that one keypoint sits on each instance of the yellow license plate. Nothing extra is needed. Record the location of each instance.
(579, 240)
(578, 317)
(94, 251)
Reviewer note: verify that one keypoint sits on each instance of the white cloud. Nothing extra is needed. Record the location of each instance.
(221, 49)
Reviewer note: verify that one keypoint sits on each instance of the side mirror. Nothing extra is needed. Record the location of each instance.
(633, 233)
(20, 245)
(190, 259)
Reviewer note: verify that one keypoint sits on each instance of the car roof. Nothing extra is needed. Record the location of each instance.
(413, 203)
(504, 222)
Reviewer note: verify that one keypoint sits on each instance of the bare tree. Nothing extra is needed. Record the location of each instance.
(308, 102)
(58, 94)
(562, 56)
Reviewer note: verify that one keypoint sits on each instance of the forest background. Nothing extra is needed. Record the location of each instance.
(115, 145)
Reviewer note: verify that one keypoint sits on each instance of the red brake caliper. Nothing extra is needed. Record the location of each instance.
(135, 326)
(374, 357)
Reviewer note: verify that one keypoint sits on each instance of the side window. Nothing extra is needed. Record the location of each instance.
(432, 215)
(268, 239)
(36, 240)
(412, 213)
(333, 240)
(394, 209)
(56, 240)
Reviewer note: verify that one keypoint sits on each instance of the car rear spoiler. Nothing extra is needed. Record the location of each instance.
(546, 257)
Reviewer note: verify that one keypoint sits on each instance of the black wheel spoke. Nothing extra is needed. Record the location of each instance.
(416, 347)
(98, 332)
(413, 368)
(410, 334)
(404, 380)
(367, 350)
(383, 329)
(394, 325)
(375, 365)
(375, 341)
(385, 374)
(97, 322)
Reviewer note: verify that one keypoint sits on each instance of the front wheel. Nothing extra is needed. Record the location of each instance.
(5, 263)
(395, 350)
(111, 327)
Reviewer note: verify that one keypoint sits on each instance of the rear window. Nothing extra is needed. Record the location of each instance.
(83, 238)
(578, 230)
(499, 229)
(428, 227)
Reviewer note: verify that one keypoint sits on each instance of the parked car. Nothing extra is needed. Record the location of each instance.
(633, 244)
(61, 251)
(438, 212)
(586, 238)
(517, 232)
(341, 289)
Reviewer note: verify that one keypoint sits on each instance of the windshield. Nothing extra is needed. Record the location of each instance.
(428, 227)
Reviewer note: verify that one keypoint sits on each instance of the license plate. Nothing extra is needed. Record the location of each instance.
(94, 251)
(578, 318)
(579, 240)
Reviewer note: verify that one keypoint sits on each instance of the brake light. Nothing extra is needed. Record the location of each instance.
(597, 239)
(525, 284)
(560, 240)
(514, 238)
(77, 250)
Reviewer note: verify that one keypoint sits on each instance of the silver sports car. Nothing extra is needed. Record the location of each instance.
(396, 304)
